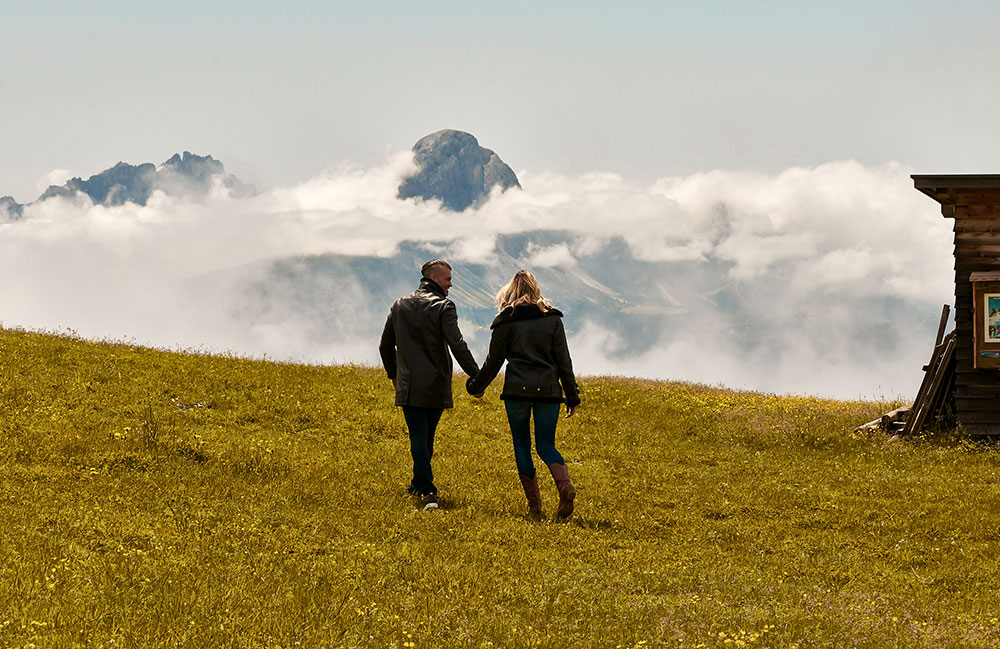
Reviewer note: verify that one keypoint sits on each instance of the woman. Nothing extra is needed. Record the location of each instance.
(528, 334)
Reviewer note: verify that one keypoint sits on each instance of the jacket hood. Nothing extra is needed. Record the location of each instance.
(525, 312)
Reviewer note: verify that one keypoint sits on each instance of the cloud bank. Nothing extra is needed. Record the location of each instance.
(786, 282)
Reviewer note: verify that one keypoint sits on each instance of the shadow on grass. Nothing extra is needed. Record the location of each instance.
(585, 522)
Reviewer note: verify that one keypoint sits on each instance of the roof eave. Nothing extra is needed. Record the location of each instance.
(947, 188)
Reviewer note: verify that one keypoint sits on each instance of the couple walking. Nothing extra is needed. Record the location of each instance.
(527, 333)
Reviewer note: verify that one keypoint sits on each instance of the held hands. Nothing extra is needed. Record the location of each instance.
(468, 388)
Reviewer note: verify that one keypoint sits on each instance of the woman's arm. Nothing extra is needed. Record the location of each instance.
(565, 365)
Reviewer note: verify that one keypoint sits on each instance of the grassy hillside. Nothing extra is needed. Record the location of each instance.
(164, 499)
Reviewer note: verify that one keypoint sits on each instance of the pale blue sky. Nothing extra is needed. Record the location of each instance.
(281, 92)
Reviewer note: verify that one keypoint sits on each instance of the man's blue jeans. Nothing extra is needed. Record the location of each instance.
(546, 417)
(422, 422)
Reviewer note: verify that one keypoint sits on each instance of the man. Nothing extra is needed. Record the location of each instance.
(419, 331)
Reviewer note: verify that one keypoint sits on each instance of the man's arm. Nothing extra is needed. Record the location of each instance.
(387, 349)
(494, 360)
(453, 337)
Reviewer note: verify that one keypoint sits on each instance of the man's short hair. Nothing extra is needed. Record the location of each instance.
(428, 268)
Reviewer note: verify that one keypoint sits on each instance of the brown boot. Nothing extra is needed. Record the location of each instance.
(566, 491)
(532, 494)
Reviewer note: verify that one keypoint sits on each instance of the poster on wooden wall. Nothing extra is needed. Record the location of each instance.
(991, 322)
(986, 316)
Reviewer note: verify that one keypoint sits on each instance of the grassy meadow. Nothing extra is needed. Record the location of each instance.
(162, 499)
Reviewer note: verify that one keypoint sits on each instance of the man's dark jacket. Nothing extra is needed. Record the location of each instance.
(420, 329)
(533, 343)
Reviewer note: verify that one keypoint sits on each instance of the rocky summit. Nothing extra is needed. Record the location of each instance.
(453, 168)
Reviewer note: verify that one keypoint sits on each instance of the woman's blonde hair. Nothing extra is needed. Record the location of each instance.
(521, 290)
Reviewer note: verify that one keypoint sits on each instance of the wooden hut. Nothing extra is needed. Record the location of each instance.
(973, 202)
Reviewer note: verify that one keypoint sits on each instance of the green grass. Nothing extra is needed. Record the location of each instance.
(154, 499)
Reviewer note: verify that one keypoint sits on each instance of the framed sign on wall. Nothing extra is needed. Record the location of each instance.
(986, 319)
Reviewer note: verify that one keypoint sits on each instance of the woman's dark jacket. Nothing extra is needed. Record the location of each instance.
(418, 333)
(533, 343)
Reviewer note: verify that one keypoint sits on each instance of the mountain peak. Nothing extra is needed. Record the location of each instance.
(194, 164)
(454, 168)
(10, 210)
(190, 173)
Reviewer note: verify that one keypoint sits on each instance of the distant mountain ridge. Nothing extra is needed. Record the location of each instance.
(184, 174)
(644, 304)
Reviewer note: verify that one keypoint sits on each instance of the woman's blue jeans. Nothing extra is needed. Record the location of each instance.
(546, 417)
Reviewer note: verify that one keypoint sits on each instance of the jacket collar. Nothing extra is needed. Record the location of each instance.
(428, 284)
(525, 312)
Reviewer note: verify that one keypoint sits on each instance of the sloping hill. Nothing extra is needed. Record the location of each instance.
(155, 498)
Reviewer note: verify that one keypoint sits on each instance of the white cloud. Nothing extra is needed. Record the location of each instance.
(707, 355)
(475, 249)
(808, 239)
(54, 177)
(549, 256)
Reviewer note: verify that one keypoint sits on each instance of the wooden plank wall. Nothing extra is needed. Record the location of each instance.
(977, 248)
